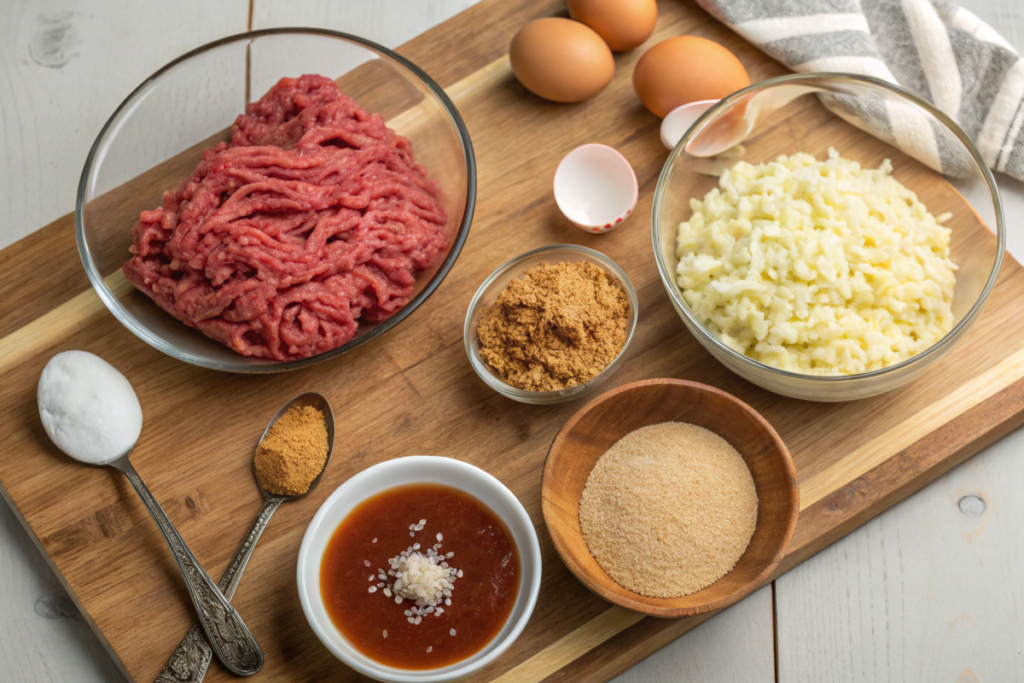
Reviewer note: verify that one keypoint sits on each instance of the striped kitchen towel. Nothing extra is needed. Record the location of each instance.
(932, 47)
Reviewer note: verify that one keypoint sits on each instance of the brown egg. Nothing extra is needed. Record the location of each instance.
(686, 69)
(561, 60)
(623, 24)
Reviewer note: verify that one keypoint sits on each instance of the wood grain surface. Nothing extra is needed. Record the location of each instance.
(413, 392)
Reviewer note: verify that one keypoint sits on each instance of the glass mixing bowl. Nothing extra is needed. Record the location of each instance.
(156, 137)
(783, 116)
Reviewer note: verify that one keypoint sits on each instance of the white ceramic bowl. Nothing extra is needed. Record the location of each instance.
(418, 469)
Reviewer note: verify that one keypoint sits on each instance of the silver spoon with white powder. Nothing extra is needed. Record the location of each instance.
(91, 412)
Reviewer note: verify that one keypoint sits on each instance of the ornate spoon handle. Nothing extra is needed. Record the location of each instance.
(189, 661)
(231, 640)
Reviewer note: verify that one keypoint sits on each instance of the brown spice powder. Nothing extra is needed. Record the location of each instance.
(668, 509)
(555, 326)
(294, 452)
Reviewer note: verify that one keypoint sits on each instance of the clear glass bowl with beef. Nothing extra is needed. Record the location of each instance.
(274, 199)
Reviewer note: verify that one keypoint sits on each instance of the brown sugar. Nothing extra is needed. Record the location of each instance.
(293, 453)
(668, 509)
(555, 326)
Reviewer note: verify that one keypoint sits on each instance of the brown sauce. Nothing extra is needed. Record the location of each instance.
(481, 599)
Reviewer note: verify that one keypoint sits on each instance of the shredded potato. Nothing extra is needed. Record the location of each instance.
(818, 267)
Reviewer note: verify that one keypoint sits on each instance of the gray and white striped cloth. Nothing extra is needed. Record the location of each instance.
(932, 47)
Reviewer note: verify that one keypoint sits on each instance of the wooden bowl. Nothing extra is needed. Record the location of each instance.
(608, 418)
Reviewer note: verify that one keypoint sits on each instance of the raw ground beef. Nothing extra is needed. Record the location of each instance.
(313, 218)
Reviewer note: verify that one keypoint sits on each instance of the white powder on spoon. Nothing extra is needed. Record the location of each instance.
(88, 408)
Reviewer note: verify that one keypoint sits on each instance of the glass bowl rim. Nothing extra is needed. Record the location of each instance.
(809, 78)
(556, 395)
(113, 303)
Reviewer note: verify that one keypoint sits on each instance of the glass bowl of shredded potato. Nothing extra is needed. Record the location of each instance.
(827, 237)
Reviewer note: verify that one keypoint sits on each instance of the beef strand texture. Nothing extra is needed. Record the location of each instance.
(314, 217)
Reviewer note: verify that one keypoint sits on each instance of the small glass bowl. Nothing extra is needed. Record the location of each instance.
(496, 283)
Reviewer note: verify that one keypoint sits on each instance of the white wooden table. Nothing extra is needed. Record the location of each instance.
(928, 591)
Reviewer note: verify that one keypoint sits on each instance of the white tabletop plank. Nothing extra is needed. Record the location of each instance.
(388, 22)
(735, 646)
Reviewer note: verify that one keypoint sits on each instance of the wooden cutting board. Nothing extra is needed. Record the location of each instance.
(413, 391)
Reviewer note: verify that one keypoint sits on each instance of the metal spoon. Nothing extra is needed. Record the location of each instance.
(234, 644)
(68, 419)
(190, 660)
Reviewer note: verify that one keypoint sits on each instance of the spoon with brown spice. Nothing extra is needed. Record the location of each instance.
(288, 466)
